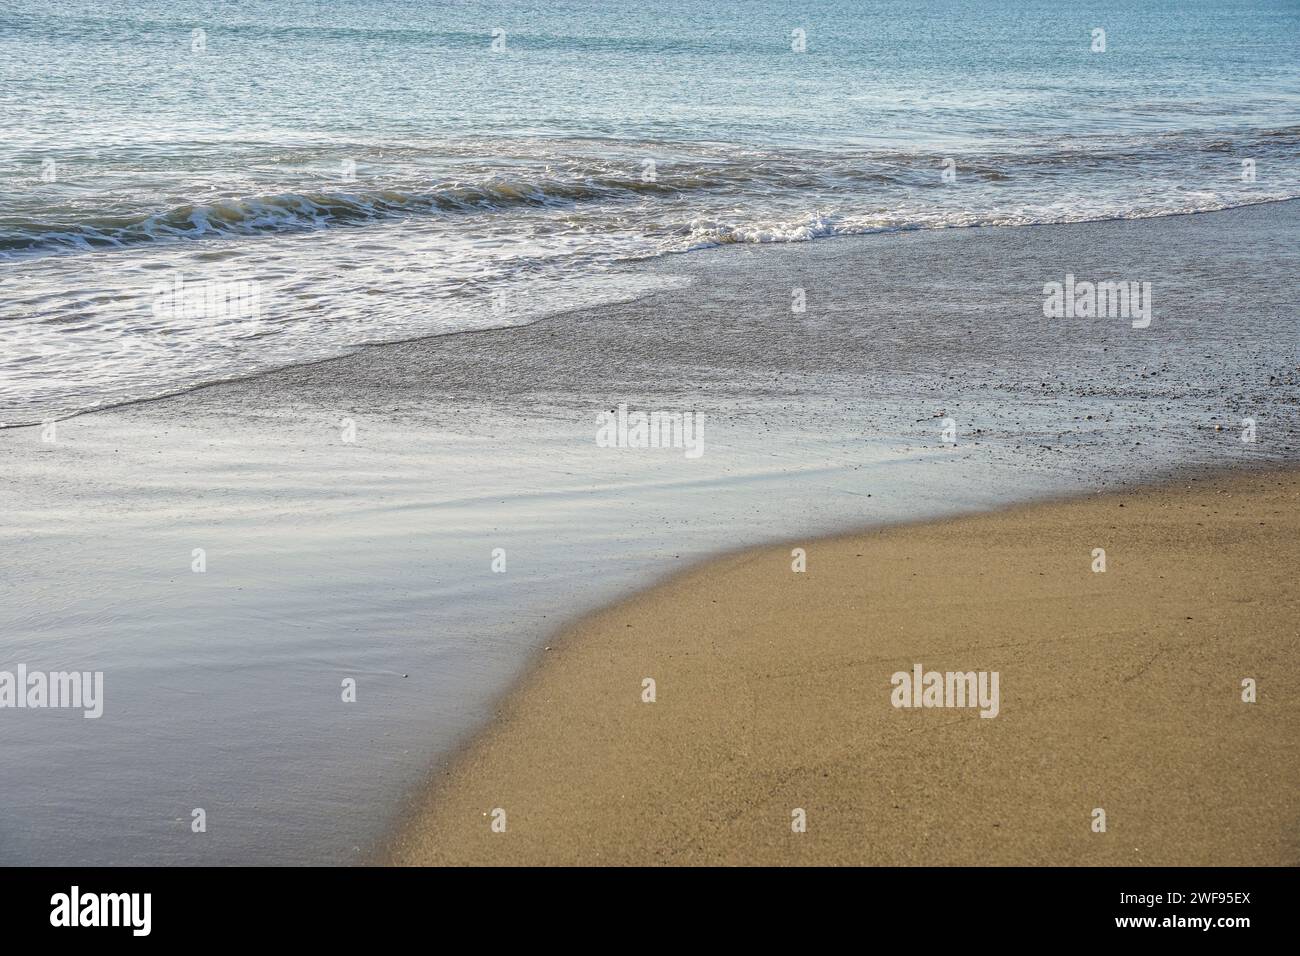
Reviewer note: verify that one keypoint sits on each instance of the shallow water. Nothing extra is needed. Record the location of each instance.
(377, 170)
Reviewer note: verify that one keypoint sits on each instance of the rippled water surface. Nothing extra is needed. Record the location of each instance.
(379, 170)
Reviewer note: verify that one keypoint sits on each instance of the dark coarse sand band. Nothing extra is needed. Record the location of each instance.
(1120, 690)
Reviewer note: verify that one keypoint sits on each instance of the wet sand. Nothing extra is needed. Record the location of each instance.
(1120, 690)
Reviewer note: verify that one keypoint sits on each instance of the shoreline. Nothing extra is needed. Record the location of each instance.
(542, 734)
(629, 265)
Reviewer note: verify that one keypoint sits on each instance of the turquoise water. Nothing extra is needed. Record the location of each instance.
(378, 170)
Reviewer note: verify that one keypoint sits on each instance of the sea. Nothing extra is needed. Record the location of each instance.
(194, 191)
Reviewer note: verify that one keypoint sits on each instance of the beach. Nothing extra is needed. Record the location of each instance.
(422, 518)
(1120, 689)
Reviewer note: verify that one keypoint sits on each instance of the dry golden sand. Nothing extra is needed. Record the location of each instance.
(1119, 690)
